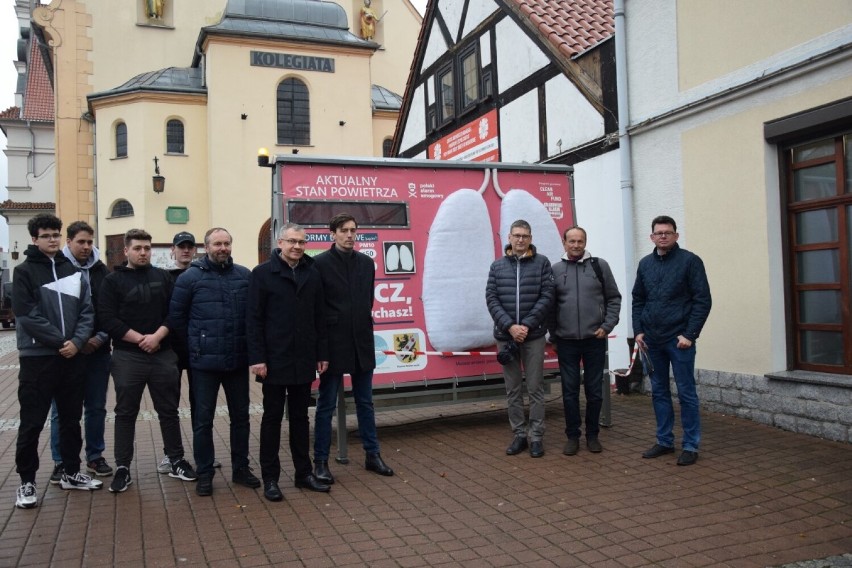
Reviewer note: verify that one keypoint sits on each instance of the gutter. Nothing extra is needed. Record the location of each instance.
(625, 158)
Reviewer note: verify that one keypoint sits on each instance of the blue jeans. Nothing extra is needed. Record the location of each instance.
(205, 390)
(682, 362)
(96, 381)
(362, 391)
(592, 352)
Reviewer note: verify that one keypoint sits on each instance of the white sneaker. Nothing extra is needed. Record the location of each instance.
(80, 481)
(165, 465)
(27, 496)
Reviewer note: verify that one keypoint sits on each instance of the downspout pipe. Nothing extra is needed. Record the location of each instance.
(626, 162)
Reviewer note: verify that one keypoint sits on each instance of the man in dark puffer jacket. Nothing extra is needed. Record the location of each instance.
(209, 310)
(671, 302)
(519, 295)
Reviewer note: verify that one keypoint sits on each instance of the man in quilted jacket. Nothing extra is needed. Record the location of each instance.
(671, 302)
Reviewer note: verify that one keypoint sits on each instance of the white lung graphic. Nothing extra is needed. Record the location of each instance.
(392, 259)
(454, 280)
(69, 285)
(406, 259)
(518, 204)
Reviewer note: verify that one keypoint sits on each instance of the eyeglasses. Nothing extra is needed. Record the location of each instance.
(662, 234)
(294, 242)
(50, 236)
(521, 237)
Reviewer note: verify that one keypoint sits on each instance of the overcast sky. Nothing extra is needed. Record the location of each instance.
(8, 55)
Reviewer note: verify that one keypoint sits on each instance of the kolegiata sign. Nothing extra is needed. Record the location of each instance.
(290, 61)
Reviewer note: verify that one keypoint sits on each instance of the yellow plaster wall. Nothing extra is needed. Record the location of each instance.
(720, 36)
(131, 178)
(728, 189)
(239, 189)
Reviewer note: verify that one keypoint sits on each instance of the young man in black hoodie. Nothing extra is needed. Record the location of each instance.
(133, 307)
(55, 318)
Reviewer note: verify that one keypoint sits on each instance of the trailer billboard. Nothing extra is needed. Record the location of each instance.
(432, 229)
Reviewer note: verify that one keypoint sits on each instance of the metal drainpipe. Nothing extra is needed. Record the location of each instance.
(624, 152)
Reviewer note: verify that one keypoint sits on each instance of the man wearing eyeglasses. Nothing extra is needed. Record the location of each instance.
(55, 319)
(208, 309)
(671, 303)
(287, 346)
(519, 295)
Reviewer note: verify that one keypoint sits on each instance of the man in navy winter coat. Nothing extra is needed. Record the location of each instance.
(671, 302)
(208, 309)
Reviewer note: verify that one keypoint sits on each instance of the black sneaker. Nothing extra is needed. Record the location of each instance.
(99, 467)
(182, 470)
(204, 487)
(244, 476)
(121, 481)
(56, 476)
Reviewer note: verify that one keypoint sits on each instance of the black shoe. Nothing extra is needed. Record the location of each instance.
(322, 473)
(244, 476)
(594, 445)
(56, 476)
(204, 486)
(312, 483)
(375, 464)
(271, 491)
(536, 449)
(518, 445)
(572, 446)
(121, 481)
(687, 458)
(657, 451)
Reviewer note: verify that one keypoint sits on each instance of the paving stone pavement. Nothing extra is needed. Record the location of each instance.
(758, 496)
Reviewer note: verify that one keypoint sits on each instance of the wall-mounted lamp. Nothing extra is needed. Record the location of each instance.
(15, 252)
(159, 181)
(342, 123)
(244, 116)
(263, 157)
(295, 150)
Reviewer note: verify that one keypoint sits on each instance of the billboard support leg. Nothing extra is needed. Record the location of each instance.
(606, 406)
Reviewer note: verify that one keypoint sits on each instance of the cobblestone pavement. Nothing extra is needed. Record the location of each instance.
(758, 497)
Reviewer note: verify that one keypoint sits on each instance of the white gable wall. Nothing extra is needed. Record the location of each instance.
(570, 117)
(477, 11)
(517, 56)
(415, 126)
(519, 129)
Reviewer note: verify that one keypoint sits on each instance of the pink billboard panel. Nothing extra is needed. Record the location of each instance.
(476, 141)
(433, 234)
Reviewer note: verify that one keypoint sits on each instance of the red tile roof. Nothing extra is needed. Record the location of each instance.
(10, 205)
(38, 99)
(571, 26)
(11, 112)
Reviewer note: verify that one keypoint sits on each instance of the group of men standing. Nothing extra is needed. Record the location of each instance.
(577, 301)
(211, 317)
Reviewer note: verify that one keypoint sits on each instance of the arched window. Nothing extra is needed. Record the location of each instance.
(121, 140)
(387, 145)
(174, 137)
(294, 113)
(122, 208)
